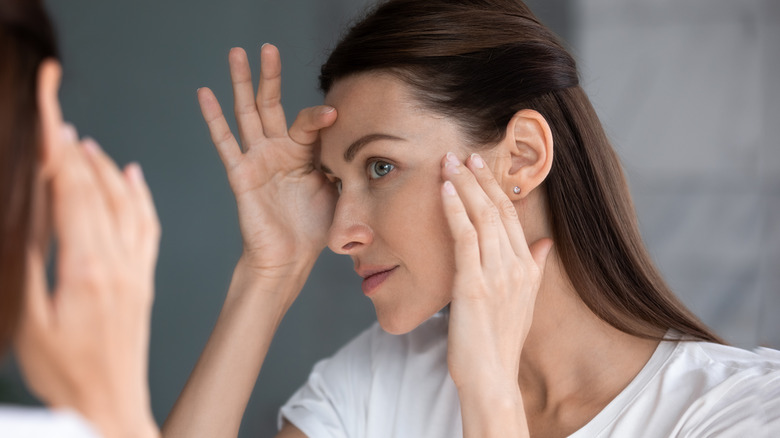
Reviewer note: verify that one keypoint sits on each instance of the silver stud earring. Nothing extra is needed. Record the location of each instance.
(516, 190)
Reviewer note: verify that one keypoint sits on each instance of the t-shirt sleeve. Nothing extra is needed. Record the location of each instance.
(24, 422)
(745, 404)
(332, 402)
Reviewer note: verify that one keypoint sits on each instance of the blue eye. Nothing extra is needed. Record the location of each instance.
(338, 185)
(378, 169)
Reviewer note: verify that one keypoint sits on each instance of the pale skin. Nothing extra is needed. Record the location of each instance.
(83, 345)
(527, 356)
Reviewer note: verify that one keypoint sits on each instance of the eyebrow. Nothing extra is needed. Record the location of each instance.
(359, 144)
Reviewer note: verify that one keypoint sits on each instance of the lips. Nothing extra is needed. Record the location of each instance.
(373, 278)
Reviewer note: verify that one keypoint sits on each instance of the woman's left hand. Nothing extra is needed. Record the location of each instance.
(496, 282)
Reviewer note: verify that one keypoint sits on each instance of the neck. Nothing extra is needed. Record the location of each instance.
(573, 363)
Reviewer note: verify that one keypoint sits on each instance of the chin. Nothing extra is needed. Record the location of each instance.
(399, 322)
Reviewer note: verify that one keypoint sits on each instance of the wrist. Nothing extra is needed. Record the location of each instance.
(506, 396)
(252, 271)
(114, 421)
(493, 412)
(280, 284)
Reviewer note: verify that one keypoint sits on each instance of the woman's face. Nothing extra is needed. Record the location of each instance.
(385, 152)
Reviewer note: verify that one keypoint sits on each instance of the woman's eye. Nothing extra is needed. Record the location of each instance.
(378, 169)
(337, 183)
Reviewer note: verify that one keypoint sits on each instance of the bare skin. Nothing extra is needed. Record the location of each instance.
(84, 344)
(522, 347)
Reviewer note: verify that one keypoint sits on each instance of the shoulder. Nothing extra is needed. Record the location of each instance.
(732, 391)
(27, 422)
(369, 369)
(697, 389)
(722, 362)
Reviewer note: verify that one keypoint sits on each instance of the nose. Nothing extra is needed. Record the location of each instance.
(349, 231)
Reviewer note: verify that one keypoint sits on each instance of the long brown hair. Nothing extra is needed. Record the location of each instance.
(26, 39)
(481, 61)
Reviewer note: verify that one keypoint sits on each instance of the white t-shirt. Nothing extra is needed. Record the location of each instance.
(25, 422)
(387, 386)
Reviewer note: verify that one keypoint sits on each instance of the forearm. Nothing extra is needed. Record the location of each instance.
(492, 413)
(215, 396)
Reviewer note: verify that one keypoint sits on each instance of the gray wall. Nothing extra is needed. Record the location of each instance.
(687, 90)
(131, 72)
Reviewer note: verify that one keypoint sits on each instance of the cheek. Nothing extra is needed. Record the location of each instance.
(426, 236)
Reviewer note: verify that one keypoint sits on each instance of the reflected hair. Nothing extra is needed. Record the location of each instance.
(480, 62)
(26, 39)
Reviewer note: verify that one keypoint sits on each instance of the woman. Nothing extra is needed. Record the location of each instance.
(460, 165)
(82, 346)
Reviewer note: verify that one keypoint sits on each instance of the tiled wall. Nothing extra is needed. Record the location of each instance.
(689, 92)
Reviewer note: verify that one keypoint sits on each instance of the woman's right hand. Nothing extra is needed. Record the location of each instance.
(285, 205)
(83, 343)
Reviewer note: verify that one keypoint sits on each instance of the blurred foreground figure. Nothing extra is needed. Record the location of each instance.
(82, 344)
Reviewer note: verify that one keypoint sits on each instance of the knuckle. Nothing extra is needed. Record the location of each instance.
(305, 115)
(244, 108)
(468, 237)
(474, 289)
(500, 283)
(222, 136)
(270, 99)
(90, 273)
(489, 215)
(507, 208)
(516, 276)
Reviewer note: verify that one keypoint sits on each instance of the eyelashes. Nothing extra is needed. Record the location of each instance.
(378, 168)
(375, 170)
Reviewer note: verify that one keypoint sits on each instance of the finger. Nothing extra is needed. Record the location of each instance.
(481, 211)
(467, 253)
(149, 224)
(115, 192)
(250, 127)
(80, 215)
(269, 93)
(227, 147)
(504, 205)
(306, 127)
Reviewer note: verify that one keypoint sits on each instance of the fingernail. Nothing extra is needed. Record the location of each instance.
(91, 146)
(135, 172)
(69, 133)
(477, 160)
(326, 109)
(449, 188)
(452, 163)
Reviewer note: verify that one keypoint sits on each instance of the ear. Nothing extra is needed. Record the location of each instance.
(49, 112)
(525, 154)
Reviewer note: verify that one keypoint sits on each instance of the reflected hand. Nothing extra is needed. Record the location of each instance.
(497, 278)
(285, 206)
(85, 346)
